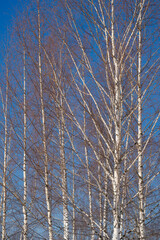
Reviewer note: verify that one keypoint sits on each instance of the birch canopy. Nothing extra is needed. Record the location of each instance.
(80, 122)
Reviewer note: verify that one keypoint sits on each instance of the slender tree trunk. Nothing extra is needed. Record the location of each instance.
(116, 193)
(105, 207)
(124, 192)
(5, 106)
(89, 177)
(74, 236)
(73, 195)
(63, 171)
(1, 204)
(100, 204)
(101, 232)
(49, 216)
(24, 156)
(140, 164)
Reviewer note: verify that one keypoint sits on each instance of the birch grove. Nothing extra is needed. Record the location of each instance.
(80, 122)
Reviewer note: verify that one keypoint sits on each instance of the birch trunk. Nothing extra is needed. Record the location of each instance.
(63, 172)
(5, 162)
(73, 194)
(89, 178)
(140, 164)
(49, 216)
(73, 228)
(105, 207)
(24, 156)
(116, 212)
(100, 204)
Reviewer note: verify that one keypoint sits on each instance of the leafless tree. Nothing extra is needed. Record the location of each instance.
(85, 150)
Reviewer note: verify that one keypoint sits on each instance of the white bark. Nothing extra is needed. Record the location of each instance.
(73, 197)
(5, 108)
(124, 189)
(24, 156)
(73, 192)
(116, 212)
(140, 163)
(105, 207)
(63, 172)
(49, 216)
(89, 177)
(100, 204)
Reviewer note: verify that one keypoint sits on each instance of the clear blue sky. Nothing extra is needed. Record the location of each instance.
(8, 10)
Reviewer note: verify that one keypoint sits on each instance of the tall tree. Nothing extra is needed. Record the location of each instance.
(49, 216)
(140, 164)
(89, 135)
(24, 145)
(4, 188)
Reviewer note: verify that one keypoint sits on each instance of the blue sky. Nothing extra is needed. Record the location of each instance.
(8, 12)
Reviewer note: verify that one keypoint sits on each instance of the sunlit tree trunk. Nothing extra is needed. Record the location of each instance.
(100, 204)
(116, 181)
(63, 172)
(49, 216)
(140, 163)
(124, 189)
(105, 207)
(88, 175)
(5, 109)
(24, 154)
(73, 196)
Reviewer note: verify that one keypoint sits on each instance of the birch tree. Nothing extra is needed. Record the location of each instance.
(93, 123)
(4, 188)
(118, 60)
(140, 164)
(24, 157)
(63, 169)
(49, 216)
